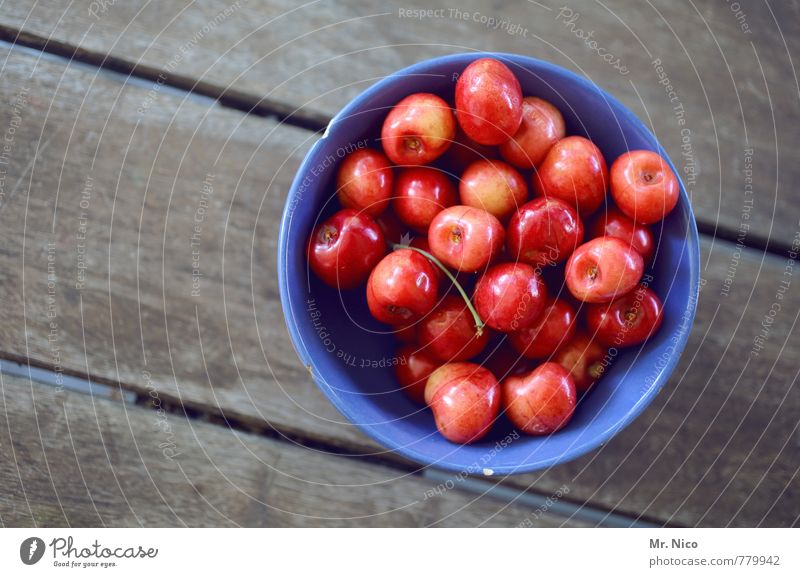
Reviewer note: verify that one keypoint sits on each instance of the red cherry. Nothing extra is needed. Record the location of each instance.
(488, 101)
(421, 242)
(575, 171)
(413, 370)
(465, 238)
(602, 270)
(420, 194)
(440, 377)
(364, 181)
(614, 223)
(627, 321)
(494, 186)
(449, 332)
(418, 130)
(344, 249)
(554, 327)
(585, 359)
(542, 126)
(643, 186)
(465, 401)
(540, 402)
(402, 288)
(445, 285)
(543, 232)
(510, 296)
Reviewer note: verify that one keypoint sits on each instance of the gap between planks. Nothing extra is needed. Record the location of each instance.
(252, 105)
(264, 107)
(564, 508)
(227, 97)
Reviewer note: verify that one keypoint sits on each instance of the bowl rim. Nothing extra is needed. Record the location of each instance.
(385, 441)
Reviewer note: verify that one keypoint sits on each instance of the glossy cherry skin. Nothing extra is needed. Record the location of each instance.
(402, 288)
(465, 238)
(554, 328)
(585, 359)
(494, 186)
(438, 378)
(575, 171)
(614, 223)
(643, 186)
(420, 194)
(344, 249)
(627, 321)
(365, 181)
(542, 126)
(413, 370)
(488, 102)
(543, 232)
(603, 269)
(421, 242)
(448, 332)
(510, 296)
(465, 400)
(418, 130)
(540, 402)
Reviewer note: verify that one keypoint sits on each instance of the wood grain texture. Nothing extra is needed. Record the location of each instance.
(146, 186)
(718, 446)
(732, 74)
(67, 459)
(110, 203)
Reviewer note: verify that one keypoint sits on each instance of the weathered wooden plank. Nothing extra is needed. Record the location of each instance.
(67, 459)
(110, 203)
(719, 444)
(731, 71)
(148, 267)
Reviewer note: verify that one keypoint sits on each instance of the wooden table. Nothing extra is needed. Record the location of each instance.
(152, 403)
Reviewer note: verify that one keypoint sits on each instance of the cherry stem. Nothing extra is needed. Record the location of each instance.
(479, 324)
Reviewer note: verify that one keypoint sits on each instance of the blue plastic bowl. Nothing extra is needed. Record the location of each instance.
(350, 354)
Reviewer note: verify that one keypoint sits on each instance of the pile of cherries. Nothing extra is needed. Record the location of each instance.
(458, 180)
